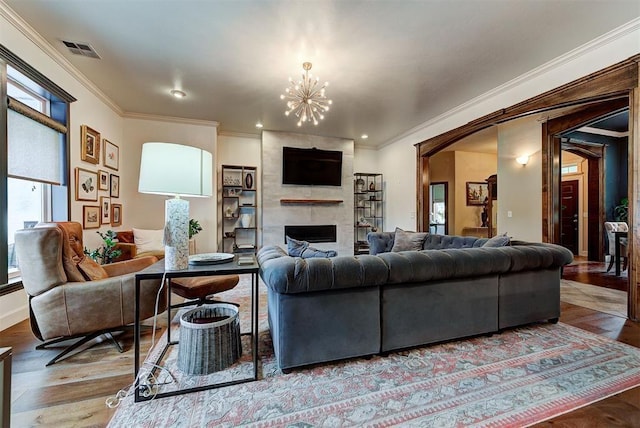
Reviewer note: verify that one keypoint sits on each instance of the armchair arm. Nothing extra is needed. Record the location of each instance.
(129, 266)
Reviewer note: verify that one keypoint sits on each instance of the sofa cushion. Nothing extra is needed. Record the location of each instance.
(498, 241)
(148, 240)
(302, 249)
(408, 241)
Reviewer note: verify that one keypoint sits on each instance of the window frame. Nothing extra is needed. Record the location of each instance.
(60, 103)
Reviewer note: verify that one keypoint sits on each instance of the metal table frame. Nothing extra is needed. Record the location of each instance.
(157, 271)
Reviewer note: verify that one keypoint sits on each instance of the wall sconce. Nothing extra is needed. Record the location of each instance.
(522, 160)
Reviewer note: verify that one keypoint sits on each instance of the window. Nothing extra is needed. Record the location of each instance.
(34, 114)
(569, 169)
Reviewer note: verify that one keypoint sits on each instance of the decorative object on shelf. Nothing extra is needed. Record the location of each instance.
(248, 181)
(176, 169)
(229, 235)
(114, 186)
(245, 220)
(103, 180)
(372, 186)
(229, 212)
(359, 185)
(116, 215)
(111, 155)
(108, 252)
(105, 208)
(306, 100)
(476, 192)
(90, 217)
(90, 141)
(86, 185)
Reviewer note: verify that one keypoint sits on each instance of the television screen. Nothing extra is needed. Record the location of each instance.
(311, 167)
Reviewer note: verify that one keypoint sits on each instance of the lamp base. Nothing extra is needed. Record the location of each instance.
(176, 234)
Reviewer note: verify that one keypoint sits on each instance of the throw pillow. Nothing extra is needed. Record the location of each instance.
(295, 247)
(498, 241)
(91, 270)
(148, 240)
(408, 241)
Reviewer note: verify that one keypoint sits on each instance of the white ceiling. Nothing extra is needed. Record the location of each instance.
(392, 65)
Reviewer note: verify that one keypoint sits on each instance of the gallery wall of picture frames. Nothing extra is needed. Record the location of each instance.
(99, 184)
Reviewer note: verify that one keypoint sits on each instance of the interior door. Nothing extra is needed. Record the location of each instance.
(438, 209)
(569, 224)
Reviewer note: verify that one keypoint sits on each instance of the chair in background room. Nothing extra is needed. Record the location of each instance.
(73, 297)
(611, 228)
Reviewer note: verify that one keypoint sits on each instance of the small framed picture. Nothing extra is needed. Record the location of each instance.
(105, 209)
(86, 185)
(90, 140)
(111, 155)
(90, 217)
(114, 185)
(103, 180)
(477, 192)
(116, 214)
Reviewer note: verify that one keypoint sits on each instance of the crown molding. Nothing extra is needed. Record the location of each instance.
(170, 119)
(30, 33)
(240, 134)
(611, 36)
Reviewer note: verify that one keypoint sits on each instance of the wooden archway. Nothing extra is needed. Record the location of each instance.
(617, 82)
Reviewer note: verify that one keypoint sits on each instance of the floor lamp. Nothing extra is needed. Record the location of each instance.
(180, 171)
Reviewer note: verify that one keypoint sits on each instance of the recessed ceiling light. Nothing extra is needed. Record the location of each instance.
(364, 136)
(259, 125)
(178, 93)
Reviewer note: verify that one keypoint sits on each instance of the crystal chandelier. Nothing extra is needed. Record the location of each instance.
(306, 98)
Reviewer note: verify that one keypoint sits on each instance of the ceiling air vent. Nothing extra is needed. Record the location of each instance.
(80, 48)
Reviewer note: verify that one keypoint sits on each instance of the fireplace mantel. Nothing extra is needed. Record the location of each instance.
(311, 201)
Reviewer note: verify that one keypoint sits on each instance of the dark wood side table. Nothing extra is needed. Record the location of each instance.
(618, 235)
(5, 387)
(157, 271)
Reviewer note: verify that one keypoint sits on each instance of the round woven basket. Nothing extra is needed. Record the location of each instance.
(209, 339)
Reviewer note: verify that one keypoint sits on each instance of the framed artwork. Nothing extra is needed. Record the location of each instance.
(116, 214)
(103, 180)
(90, 217)
(86, 185)
(114, 186)
(90, 140)
(105, 209)
(111, 155)
(477, 192)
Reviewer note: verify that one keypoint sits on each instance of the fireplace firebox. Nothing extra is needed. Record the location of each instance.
(315, 233)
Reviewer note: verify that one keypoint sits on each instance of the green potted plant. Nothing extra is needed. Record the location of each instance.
(107, 253)
(194, 229)
(621, 211)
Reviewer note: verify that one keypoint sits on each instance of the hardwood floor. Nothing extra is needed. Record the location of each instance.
(72, 393)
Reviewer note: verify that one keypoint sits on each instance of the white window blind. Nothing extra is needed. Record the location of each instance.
(33, 147)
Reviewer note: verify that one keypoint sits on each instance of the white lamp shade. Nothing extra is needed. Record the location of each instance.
(175, 169)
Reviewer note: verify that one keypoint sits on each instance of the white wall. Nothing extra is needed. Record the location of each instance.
(520, 187)
(147, 211)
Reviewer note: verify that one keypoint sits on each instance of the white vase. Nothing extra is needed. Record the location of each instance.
(245, 220)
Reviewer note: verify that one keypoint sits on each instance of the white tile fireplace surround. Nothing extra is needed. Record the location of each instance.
(291, 205)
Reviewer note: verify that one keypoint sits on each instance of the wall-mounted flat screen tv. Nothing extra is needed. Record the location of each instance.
(313, 167)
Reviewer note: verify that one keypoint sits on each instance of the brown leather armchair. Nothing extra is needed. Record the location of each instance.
(71, 296)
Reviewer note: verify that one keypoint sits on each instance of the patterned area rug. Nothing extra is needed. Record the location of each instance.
(516, 378)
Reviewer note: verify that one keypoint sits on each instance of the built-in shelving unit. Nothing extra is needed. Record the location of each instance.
(239, 209)
(368, 216)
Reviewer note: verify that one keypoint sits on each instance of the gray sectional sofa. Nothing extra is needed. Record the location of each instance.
(324, 309)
